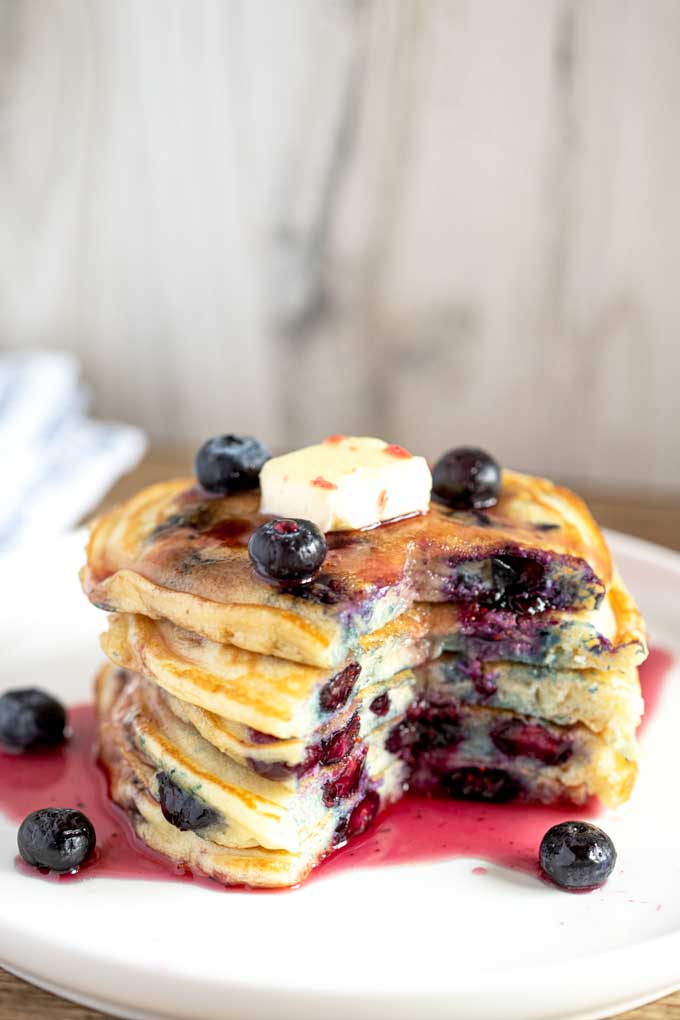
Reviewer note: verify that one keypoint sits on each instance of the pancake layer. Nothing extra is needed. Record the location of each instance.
(172, 552)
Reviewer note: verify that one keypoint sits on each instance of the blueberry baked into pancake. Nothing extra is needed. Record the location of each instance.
(295, 642)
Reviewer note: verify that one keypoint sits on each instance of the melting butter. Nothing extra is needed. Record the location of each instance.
(346, 482)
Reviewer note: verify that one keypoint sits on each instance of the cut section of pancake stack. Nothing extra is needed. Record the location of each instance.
(249, 729)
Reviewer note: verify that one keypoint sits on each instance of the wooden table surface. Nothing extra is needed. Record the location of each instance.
(656, 520)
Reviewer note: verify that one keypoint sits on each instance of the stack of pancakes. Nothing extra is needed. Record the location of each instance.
(249, 729)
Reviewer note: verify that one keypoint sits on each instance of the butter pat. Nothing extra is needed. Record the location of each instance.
(346, 482)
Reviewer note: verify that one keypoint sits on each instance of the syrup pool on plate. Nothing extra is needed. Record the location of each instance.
(68, 776)
(415, 829)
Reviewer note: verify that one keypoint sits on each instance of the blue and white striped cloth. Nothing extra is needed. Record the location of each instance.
(55, 462)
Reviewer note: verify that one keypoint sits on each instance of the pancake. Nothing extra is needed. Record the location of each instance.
(249, 829)
(609, 637)
(287, 699)
(172, 552)
(232, 866)
(534, 760)
(244, 818)
(280, 758)
(608, 703)
(272, 695)
(241, 807)
(603, 708)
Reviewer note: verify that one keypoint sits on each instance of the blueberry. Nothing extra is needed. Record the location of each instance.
(287, 549)
(466, 478)
(338, 746)
(347, 782)
(478, 783)
(426, 728)
(230, 463)
(60, 839)
(335, 693)
(31, 718)
(363, 814)
(577, 855)
(381, 704)
(182, 809)
(522, 738)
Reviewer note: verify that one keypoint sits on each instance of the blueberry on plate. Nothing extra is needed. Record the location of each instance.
(466, 478)
(60, 839)
(287, 549)
(577, 855)
(230, 463)
(186, 812)
(31, 718)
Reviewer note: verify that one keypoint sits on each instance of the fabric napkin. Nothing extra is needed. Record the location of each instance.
(56, 462)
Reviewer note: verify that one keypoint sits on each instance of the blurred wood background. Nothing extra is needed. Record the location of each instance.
(439, 221)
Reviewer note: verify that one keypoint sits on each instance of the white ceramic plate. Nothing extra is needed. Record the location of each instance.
(427, 940)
